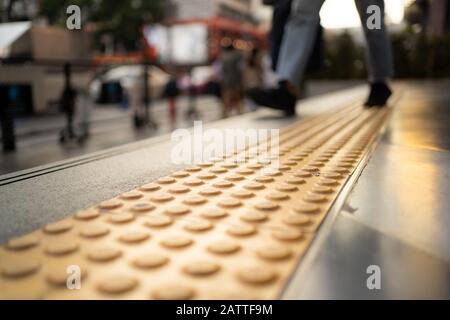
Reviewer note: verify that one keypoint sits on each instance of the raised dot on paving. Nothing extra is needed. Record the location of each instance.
(254, 186)
(206, 176)
(110, 204)
(161, 197)
(142, 207)
(173, 292)
(214, 213)
(193, 169)
(332, 175)
(223, 247)
(158, 221)
(314, 198)
(296, 220)
(176, 241)
(223, 184)
(61, 248)
(117, 284)
(266, 206)
(150, 261)
(209, 191)
(198, 225)
(166, 180)
(58, 227)
(321, 189)
(253, 216)
(307, 208)
(256, 275)
(57, 275)
(150, 187)
(229, 203)
(180, 174)
(218, 170)
(326, 182)
(263, 179)
(134, 237)
(302, 174)
(205, 164)
(201, 268)
(277, 196)
(194, 200)
(178, 189)
(131, 195)
(241, 230)
(87, 214)
(273, 252)
(242, 194)
(287, 234)
(254, 166)
(103, 254)
(193, 182)
(295, 180)
(121, 218)
(22, 243)
(234, 177)
(177, 210)
(93, 231)
(19, 268)
(286, 188)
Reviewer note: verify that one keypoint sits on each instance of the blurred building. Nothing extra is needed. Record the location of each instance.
(430, 16)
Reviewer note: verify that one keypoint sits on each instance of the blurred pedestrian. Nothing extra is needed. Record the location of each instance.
(171, 93)
(297, 43)
(231, 79)
(253, 73)
(67, 103)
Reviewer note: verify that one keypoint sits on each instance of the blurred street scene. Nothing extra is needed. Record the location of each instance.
(77, 81)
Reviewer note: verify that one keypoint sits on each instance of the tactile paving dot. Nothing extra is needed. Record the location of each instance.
(121, 218)
(194, 200)
(103, 254)
(161, 197)
(211, 221)
(134, 237)
(110, 204)
(201, 268)
(273, 252)
(287, 234)
(267, 206)
(131, 195)
(117, 284)
(177, 210)
(253, 216)
(22, 243)
(173, 292)
(158, 221)
(209, 191)
(296, 220)
(214, 213)
(150, 261)
(93, 231)
(150, 187)
(229, 203)
(57, 275)
(61, 248)
(256, 275)
(142, 207)
(241, 230)
(178, 189)
(176, 241)
(87, 214)
(198, 225)
(20, 268)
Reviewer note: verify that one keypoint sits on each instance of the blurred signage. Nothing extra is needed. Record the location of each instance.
(179, 44)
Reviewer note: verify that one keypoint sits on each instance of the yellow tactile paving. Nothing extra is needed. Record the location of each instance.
(224, 229)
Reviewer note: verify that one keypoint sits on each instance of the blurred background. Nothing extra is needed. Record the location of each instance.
(142, 68)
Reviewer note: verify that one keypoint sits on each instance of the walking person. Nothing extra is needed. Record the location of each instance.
(231, 79)
(297, 43)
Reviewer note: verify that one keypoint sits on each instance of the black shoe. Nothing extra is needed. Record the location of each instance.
(276, 98)
(379, 94)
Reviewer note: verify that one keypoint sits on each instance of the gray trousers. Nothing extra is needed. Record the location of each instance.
(301, 29)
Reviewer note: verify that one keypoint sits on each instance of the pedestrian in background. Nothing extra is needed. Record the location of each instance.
(231, 79)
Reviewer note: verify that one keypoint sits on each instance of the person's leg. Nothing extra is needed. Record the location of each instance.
(298, 40)
(281, 12)
(378, 53)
